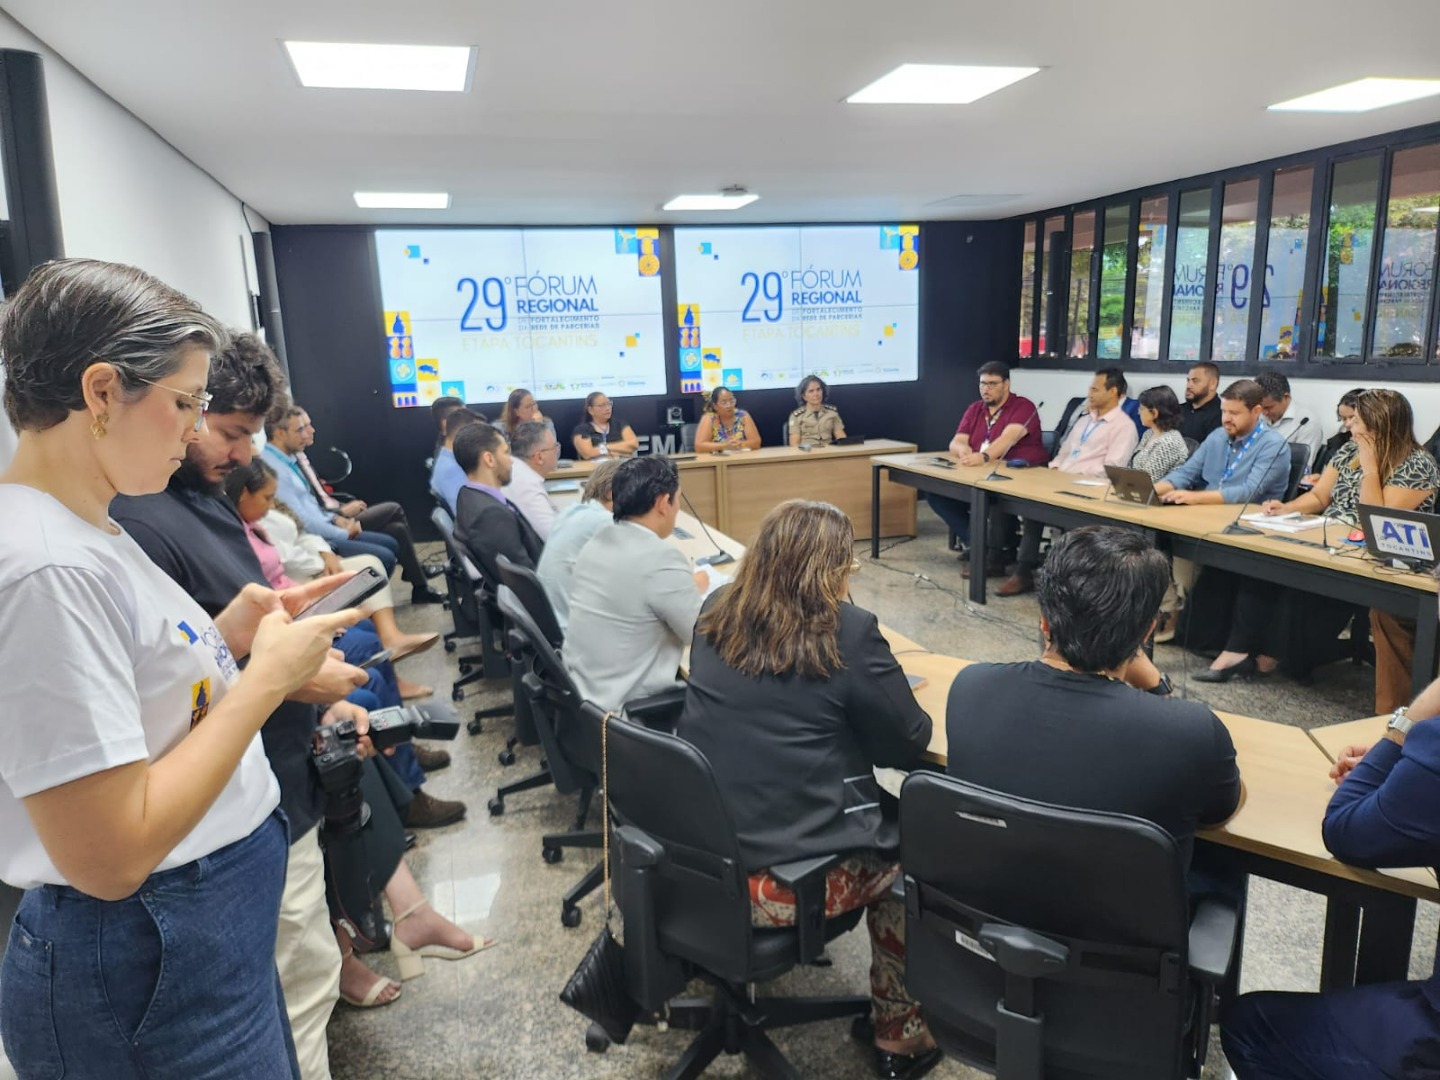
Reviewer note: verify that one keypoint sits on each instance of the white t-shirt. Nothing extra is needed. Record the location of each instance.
(104, 661)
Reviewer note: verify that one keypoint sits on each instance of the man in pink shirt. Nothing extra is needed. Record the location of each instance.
(1104, 435)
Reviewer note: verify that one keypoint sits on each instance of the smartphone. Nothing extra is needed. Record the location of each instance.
(944, 463)
(379, 658)
(360, 587)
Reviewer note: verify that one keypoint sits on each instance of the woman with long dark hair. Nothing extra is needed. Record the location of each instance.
(599, 434)
(794, 697)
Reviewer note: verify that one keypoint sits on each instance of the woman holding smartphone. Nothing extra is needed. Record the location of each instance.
(137, 809)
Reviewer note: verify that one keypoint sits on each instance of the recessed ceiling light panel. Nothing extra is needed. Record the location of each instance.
(1362, 95)
(710, 202)
(938, 84)
(345, 66)
(402, 200)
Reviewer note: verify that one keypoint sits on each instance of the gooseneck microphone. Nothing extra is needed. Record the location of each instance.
(722, 556)
(995, 473)
(1236, 529)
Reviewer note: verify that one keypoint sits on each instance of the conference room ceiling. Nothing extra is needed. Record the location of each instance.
(598, 113)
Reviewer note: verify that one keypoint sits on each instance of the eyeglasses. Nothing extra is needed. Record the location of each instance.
(202, 400)
(992, 383)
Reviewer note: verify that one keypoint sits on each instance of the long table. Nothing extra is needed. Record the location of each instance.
(734, 491)
(1276, 834)
(1301, 561)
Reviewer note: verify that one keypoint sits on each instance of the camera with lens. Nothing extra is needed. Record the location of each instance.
(337, 763)
(431, 720)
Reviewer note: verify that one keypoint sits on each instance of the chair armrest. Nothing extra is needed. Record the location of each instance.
(1212, 940)
(806, 878)
(659, 712)
(1023, 952)
(652, 976)
(638, 849)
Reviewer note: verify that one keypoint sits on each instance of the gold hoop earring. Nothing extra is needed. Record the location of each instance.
(97, 429)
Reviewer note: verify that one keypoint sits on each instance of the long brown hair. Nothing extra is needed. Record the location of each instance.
(1386, 415)
(512, 403)
(782, 613)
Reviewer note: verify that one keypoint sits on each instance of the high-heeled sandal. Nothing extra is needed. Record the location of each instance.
(382, 983)
(412, 962)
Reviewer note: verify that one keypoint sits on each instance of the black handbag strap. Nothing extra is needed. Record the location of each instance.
(605, 809)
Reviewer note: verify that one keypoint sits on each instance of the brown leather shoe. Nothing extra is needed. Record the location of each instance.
(431, 760)
(1017, 583)
(428, 812)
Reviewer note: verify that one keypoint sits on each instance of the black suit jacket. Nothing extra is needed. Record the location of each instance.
(793, 756)
(487, 528)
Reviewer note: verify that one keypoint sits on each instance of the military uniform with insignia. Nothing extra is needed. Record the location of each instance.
(816, 428)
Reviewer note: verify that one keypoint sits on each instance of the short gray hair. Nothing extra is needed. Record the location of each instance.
(72, 313)
(597, 488)
(528, 438)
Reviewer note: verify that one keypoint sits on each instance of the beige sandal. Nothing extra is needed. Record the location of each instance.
(411, 961)
(382, 983)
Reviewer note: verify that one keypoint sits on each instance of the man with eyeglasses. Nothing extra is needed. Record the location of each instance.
(1000, 427)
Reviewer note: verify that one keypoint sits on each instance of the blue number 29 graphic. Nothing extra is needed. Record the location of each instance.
(771, 289)
(492, 294)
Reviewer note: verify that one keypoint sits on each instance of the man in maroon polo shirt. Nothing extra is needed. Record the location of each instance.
(1000, 427)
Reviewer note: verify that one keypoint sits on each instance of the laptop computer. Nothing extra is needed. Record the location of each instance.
(850, 440)
(1133, 485)
(1401, 537)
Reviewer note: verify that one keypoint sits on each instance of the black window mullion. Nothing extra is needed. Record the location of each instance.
(1172, 240)
(1377, 247)
(1132, 258)
(1259, 259)
(1316, 252)
(1212, 267)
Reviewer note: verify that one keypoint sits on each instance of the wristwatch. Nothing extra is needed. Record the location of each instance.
(1164, 688)
(985, 456)
(1400, 721)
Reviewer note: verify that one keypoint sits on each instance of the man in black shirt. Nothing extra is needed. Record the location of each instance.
(1090, 724)
(1200, 414)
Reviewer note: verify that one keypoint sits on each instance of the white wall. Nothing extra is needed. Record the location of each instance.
(1317, 396)
(128, 196)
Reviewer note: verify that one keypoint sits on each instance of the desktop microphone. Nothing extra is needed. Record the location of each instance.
(1236, 529)
(719, 559)
(995, 473)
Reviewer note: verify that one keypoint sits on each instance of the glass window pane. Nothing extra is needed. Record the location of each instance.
(1282, 296)
(1112, 281)
(1077, 312)
(1345, 277)
(1149, 278)
(1052, 245)
(1234, 270)
(1407, 260)
(1027, 292)
(1192, 245)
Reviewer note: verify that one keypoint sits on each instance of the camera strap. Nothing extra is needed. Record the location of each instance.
(605, 809)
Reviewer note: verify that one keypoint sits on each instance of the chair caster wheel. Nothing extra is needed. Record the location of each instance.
(507, 757)
(551, 855)
(596, 1041)
(474, 727)
(450, 646)
(457, 694)
(570, 917)
(496, 806)
(464, 669)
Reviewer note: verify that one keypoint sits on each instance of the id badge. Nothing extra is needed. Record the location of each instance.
(985, 447)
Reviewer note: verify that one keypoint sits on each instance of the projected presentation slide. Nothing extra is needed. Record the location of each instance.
(475, 313)
(765, 306)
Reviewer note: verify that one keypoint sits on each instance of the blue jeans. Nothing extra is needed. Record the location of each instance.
(383, 546)
(177, 980)
(1283, 1036)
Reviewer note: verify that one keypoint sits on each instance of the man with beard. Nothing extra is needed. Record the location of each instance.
(193, 533)
(1201, 411)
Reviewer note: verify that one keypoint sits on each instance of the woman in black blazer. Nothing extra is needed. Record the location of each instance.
(794, 696)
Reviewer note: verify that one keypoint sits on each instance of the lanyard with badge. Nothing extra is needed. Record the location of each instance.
(1239, 452)
(991, 420)
(1085, 435)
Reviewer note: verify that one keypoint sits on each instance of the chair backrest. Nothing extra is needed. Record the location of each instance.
(572, 746)
(443, 521)
(687, 437)
(1066, 417)
(526, 586)
(1299, 463)
(697, 905)
(464, 612)
(1108, 887)
(1191, 445)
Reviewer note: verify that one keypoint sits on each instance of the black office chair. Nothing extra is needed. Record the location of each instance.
(463, 625)
(687, 437)
(684, 900)
(1191, 445)
(1299, 466)
(1063, 427)
(473, 607)
(1048, 943)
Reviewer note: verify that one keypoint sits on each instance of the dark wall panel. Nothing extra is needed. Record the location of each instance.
(329, 292)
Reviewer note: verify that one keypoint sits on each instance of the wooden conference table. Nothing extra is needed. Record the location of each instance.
(1296, 560)
(1276, 834)
(735, 490)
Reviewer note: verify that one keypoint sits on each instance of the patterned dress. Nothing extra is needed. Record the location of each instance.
(1418, 472)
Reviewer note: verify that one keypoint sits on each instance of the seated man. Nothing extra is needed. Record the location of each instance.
(1091, 724)
(1200, 414)
(1383, 815)
(486, 522)
(573, 529)
(1289, 421)
(440, 410)
(446, 477)
(1102, 436)
(999, 427)
(351, 529)
(535, 451)
(1241, 461)
(634, 597)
